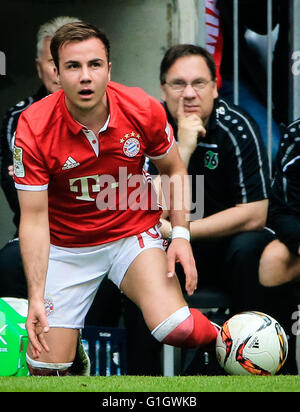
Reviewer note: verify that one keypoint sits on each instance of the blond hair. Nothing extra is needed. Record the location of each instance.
(48, 29)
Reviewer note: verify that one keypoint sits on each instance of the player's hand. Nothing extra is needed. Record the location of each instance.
(10, 170)
(165, 228)
(189, 128)
(37, 326)
(180, 250)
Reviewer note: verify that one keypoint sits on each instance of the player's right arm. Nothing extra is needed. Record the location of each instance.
(35, 244)
(31, 180)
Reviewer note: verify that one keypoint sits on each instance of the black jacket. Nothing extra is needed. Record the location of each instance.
(231, 157)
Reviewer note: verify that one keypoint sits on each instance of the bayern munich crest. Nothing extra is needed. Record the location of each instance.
(48, 306)
(131, 144)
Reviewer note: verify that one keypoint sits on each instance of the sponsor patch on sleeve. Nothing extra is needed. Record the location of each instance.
(19, 169)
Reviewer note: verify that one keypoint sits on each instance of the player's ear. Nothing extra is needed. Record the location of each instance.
(56, 72)
(162, 92)
(109, 71)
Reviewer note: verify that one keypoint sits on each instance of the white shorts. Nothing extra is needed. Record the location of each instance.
(74, 275)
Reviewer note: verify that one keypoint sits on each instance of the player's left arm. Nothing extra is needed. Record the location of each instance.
(176, 191)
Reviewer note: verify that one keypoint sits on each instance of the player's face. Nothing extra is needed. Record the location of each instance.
(84, 73)
(46, 68)
(190, 70)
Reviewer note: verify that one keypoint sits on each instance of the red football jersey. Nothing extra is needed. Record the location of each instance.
(98, 191)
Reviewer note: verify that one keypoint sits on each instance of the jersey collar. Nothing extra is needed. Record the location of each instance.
(113, 107)
(72, 124)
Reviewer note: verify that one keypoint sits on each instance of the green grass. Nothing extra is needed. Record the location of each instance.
(152, 384)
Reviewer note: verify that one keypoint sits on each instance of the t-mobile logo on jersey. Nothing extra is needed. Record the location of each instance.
(2, 64)
(85, 186)
(136, 192)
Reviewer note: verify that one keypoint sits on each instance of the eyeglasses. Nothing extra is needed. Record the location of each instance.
(197, 85)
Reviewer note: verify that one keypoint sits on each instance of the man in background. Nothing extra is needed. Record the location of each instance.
(280, 262)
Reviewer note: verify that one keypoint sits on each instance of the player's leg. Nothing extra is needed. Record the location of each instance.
(62, 343)
(73, 278)
(278, 265)
(163, 306)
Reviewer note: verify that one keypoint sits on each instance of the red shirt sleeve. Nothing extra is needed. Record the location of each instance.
(30, 172)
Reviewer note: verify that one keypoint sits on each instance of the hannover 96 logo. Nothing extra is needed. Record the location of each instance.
(211, 160)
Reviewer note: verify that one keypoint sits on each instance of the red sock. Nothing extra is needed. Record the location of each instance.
(193, 332)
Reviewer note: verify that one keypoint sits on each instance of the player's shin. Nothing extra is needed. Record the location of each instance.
(186, 328)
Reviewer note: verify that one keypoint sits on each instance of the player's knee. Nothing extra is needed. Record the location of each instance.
(37, 368)
(274, 264)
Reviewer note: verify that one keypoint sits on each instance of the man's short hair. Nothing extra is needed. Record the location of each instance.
(74, 32)
(48, 29)
(182, 50)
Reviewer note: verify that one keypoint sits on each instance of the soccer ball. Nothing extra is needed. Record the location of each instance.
(251, 343)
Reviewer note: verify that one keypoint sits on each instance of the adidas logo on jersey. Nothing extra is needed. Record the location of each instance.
(70, 163)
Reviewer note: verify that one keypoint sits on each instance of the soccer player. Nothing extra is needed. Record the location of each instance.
(78, 156)
(280, 262)
(12, 281)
